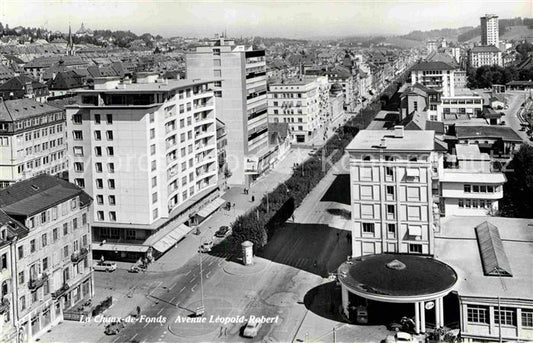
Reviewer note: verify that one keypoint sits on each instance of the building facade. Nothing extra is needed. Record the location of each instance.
(435, 75)
(297, 103)
(241, 98)
(147, 153)
(32, 140)
(52, 269)
(485, 55)
(469, 186)
(391, 177)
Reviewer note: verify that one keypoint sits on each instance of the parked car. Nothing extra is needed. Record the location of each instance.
(400, 337)
(222, 231)
(251, 329)
(134, 269)
(114, 328)
(206, 247)
(105, 266)
(404, 324)
(502, 122)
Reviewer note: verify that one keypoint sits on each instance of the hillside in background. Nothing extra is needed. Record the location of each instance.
(515, 28)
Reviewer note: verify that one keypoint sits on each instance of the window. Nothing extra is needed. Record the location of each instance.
(65, 229)
(527, 317)
(55, 234)
(152, 133)
(22, 303)
(100, 215)
(78, 167)
(78, 151)
(21, 252)
(154, 197)
(32, 245)
(21, 277)
(391, 210)
(415, 248)
(391, 228)
(154, 181)
(98, 167)
(84, 219)
(366, 192)
(76, 119)
(109, 135)
(155, 213)
(99, 183)
(45, 263)
(78, 135)
(461, 203)
(75, 223)
(98, 151)
(413, 193)
(97, 119)
(43, 217)
(390, 191)
(153, 166)
(467, 188)
(365, 174)
(111, 200)
(413, 159)
(389, 172)
(111, 183)
(368, 227)
(113, 216)
(475, 189)
(110, 151)
(109, 118)
(111, 167)
(506, 316)
(97, 135)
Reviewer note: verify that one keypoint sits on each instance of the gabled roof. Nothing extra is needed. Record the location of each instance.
(493, 256)
(484, 48)
(492, 131)
(18, 83)
(434, 65)
(16, 109)
(28, 197)
(66, 80)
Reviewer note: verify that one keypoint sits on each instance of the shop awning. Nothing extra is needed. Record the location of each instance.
(412, 172)
(171, 238)
(210, 208)
(119, 247)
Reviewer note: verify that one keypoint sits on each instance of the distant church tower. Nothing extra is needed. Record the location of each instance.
(70, 44)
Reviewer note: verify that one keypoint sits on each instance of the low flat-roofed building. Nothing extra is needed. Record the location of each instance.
(494, 276)
(489, 138)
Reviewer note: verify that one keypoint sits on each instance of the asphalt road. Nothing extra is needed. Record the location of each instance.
(511, 114)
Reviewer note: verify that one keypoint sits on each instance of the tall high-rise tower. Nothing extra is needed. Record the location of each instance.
(489, 30)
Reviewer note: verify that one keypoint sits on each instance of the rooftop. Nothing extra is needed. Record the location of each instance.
(506, 133)
(161, 85)
(458, 235)
(434, 65)
(17, 109)
(411, 141)
(28, 197)
(484, 48)
(397, 275)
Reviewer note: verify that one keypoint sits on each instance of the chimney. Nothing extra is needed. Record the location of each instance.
(398, 131)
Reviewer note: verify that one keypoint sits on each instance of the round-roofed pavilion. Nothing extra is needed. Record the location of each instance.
(399, 278)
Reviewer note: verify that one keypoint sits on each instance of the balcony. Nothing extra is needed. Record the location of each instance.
(79, 255)
(4, 305)
(60, 291)
(37, 282)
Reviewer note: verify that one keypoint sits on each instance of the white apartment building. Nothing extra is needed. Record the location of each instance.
(51, 269)
(484, 55)
(241, 101)
(490, 34)
(435, 75)
(391, 178)
(9, 232)
(32, 140)
(464, 105)
(147, 154)
(297, 103)
(468, 185)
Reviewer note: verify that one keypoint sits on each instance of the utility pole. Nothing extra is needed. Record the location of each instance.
(334, 335)
(201, 284)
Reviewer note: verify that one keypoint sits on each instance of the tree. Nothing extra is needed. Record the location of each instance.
(517, 200)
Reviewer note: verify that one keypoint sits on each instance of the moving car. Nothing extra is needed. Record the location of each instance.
(222, 231)
(206, 247)
(251, 329)
(105, 266)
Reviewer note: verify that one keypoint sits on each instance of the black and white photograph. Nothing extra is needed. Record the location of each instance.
(227, 171)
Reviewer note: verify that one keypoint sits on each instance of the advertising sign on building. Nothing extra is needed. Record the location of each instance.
(251, 165)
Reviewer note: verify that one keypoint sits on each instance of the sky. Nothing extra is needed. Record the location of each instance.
(291, 19)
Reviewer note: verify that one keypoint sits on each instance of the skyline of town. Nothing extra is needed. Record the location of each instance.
(258, 18)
